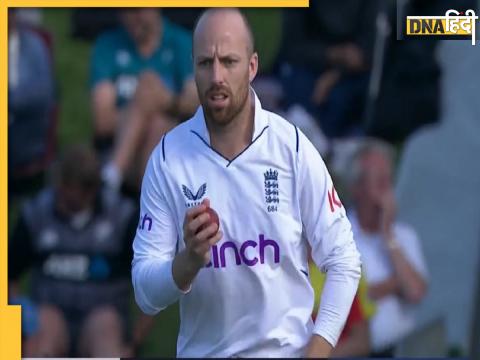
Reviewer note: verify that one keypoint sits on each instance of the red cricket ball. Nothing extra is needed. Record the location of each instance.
(213, 219)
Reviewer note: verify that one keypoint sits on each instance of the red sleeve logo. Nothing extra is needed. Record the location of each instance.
(333, 200)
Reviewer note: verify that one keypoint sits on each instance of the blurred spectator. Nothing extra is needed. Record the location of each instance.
(76, 240)
(327, 49)
(355, 339)
(142, 86)
(30, 16)
(409, 93)
(392, 259)
(30, 106)
(409, 75)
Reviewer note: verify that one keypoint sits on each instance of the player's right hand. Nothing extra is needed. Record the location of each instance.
(198, 238)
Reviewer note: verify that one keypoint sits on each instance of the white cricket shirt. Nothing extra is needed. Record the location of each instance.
(254, 299)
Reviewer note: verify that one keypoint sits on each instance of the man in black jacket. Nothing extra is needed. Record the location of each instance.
(327, 50)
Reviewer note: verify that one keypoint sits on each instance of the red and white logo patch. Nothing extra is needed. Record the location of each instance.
(333, 200)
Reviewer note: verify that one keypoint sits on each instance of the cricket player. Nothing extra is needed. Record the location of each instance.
(243, 286)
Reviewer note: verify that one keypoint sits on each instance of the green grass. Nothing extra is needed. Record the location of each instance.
(162, 340)
(72, 68)
(266, 26)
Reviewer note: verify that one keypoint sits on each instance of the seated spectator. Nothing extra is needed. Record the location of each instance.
(327, 52)
(354, 340)
(392, 258)
(142, 86)
(30, 104)
(75, 238)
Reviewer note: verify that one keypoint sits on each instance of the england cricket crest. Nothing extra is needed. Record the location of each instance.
(271, 190)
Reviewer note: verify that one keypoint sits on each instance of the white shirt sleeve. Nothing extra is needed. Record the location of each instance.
(329, 233)
(155, 245)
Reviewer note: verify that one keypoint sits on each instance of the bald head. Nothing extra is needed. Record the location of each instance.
(224, 22)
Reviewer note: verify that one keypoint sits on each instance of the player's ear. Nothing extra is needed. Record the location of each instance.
(253, 66)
